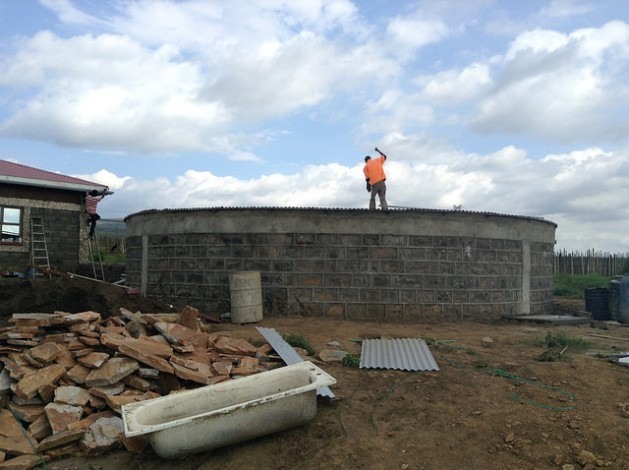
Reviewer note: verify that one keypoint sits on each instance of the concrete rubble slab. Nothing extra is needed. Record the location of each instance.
(102, 435)
(27, 387)
(26, 413)
(71, 395)
(228, 345)
(112, 371)
(147, 358)
(45, 353)
(22, 462)
(60, 416)
(552, 319)
(179, 334)
(107, 390)
(60, 439)
(93, 360)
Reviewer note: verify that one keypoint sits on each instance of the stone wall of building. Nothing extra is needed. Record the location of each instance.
(347, 264)
(61, 213)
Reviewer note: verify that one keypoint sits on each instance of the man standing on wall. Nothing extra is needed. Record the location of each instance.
(375, 177)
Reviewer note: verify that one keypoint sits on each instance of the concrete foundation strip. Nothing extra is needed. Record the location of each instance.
(288, 354)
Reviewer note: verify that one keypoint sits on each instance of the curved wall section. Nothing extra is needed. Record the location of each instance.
(347, 263)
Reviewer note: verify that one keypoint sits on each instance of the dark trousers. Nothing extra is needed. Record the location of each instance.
(91, 219)
(379, 189)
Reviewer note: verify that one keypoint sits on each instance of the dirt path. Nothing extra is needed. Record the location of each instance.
(493, 404)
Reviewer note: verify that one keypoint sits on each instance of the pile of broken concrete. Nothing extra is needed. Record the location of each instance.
(66, 376)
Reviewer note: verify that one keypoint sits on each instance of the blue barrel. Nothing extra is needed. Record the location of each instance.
(623, 316)
(597, 302)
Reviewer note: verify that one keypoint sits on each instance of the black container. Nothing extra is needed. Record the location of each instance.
(614, 299)
(597, 302)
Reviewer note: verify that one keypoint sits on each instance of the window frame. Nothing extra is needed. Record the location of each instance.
(19, 225)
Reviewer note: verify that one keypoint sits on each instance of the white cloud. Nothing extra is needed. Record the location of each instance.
(561, 187)
(68, 13)
(108, 92)
(216, 30)
(173, 77)
(410, 34)
(300, 72)
(107, 178)
(559, 87)
(316, 186)
(566, 8)
(456, 86)
(396, 111)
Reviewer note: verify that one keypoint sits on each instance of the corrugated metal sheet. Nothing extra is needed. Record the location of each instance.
(401, 354)
(288, 354)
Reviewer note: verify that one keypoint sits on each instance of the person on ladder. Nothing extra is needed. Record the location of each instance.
(91, 202)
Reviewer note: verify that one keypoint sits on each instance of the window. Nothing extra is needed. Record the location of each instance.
(11, 218)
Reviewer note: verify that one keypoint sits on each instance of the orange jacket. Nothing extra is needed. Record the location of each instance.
(373, 170)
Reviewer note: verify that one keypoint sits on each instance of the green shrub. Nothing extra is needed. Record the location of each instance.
(112, 249)
(559, 343)
(351, 360)
(561, 340)
(299, 341)
(566, 285)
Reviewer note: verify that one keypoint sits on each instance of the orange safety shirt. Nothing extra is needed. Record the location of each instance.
(373, 170)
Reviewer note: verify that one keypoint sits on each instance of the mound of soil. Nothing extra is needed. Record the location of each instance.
(71, 294)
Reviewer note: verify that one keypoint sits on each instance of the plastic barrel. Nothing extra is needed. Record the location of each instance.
(597, 302)
(246, 297)
(614, 299)
(623, 316)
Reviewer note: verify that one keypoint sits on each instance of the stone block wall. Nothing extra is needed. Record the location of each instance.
(347, 264)
(63, 236)
(63, 226)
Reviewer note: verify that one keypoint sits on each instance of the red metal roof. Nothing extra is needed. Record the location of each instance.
(21, 174)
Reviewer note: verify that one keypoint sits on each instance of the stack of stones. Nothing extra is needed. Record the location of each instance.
(65, 377)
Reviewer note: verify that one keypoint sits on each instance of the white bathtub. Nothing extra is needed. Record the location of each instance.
(228, 412)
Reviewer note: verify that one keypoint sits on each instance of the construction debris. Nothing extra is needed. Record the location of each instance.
(65, 377)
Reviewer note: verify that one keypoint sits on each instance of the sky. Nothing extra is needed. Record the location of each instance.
(506, 106)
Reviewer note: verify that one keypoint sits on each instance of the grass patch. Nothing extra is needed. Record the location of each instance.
(565, 285)
(561, 340)
(109, 258)
(557, 344)
(351, 360)
(298, 340)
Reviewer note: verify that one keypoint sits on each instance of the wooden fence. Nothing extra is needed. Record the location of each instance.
(591, 262)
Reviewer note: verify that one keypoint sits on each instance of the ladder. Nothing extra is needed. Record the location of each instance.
(39, 248)
(95, 258)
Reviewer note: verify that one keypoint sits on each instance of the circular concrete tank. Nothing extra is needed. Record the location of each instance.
(405, 265)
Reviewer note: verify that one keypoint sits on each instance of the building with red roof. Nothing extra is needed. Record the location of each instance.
(43, 220)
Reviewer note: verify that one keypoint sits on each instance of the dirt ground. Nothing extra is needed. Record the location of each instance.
(492, 405)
